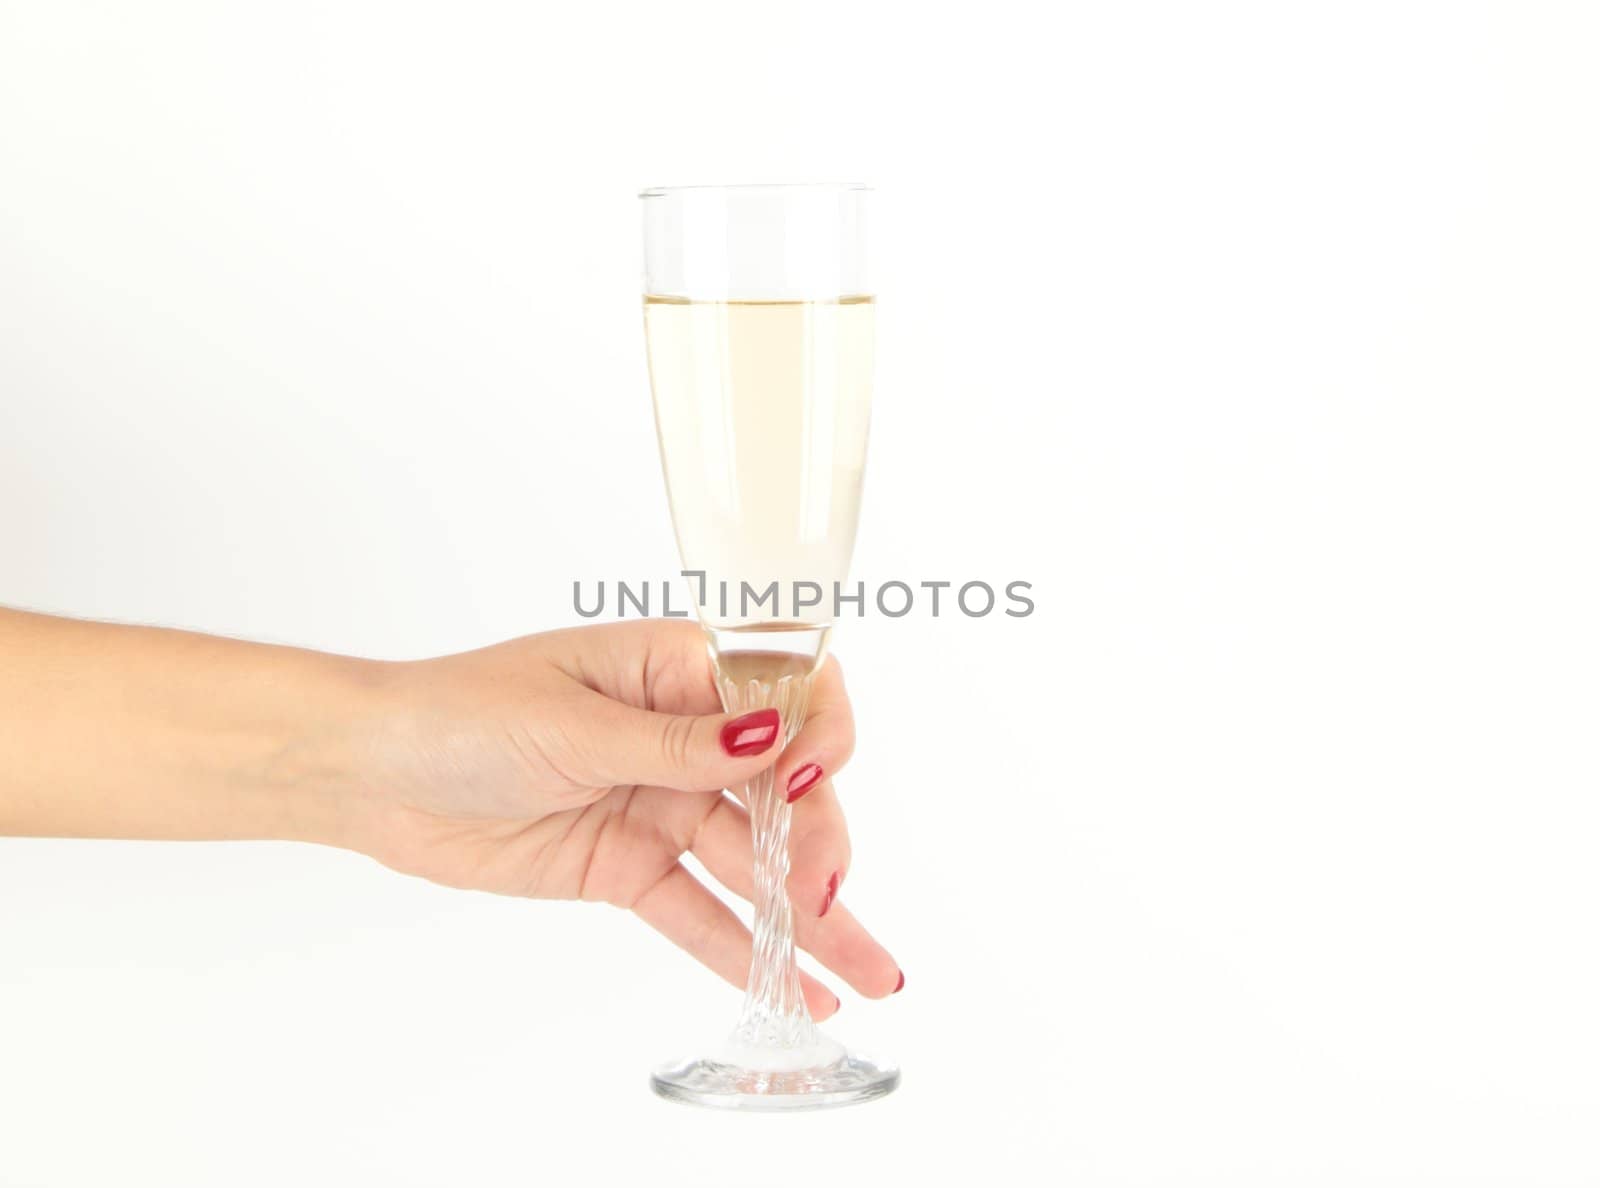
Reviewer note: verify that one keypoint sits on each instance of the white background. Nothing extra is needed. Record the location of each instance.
(1261, 339)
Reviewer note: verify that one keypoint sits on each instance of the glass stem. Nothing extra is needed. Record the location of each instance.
(775, 1014)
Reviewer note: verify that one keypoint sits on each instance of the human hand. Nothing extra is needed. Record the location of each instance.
(583, 764)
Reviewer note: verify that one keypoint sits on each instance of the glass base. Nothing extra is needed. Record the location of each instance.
(846, 1081)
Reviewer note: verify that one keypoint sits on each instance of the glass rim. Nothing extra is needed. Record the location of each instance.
(759, 187)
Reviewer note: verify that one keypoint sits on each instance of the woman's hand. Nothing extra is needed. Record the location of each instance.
(578, 764)
(584, 764)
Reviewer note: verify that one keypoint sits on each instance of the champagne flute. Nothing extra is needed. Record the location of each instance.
(759, 324)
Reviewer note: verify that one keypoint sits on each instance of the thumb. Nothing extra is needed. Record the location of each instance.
(689, 752)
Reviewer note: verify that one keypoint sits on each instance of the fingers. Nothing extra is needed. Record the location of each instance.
(691, 917)
(825, 741)
(819, 850)
(600, 737)
(609, 743)
(822, 926)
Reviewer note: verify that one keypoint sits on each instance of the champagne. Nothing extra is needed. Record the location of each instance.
(743, 667)
(762, 411)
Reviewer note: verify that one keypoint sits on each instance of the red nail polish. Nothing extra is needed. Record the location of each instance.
(836, 1003)
(752, 733)
(901, 984)
(833, 889)
(803, 780)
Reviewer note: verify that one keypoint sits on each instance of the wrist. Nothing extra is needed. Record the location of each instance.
(319, 775)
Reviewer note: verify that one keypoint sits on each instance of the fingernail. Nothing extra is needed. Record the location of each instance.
(836, 1004)
(752, 733)
(833, 889)
(803, 780)
(901, 984)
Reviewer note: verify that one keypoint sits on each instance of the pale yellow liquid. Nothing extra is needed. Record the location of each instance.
(762, 411)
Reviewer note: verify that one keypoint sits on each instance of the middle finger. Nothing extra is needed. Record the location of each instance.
(822, 926)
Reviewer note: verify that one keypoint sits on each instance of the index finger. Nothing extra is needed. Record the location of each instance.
(826, 739)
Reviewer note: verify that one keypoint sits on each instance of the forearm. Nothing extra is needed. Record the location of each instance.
(139, 732)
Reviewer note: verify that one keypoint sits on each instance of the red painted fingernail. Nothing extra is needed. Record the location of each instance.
(833, 889)
(803, 781)
(901, 984)
(752, 733)
(836, 1004)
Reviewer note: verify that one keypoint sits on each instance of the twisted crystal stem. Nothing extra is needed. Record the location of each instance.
(775, 1014)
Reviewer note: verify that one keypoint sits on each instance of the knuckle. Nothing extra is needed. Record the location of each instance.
(677, 742)
(847, 738)
(700, 941)
(552, 757)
